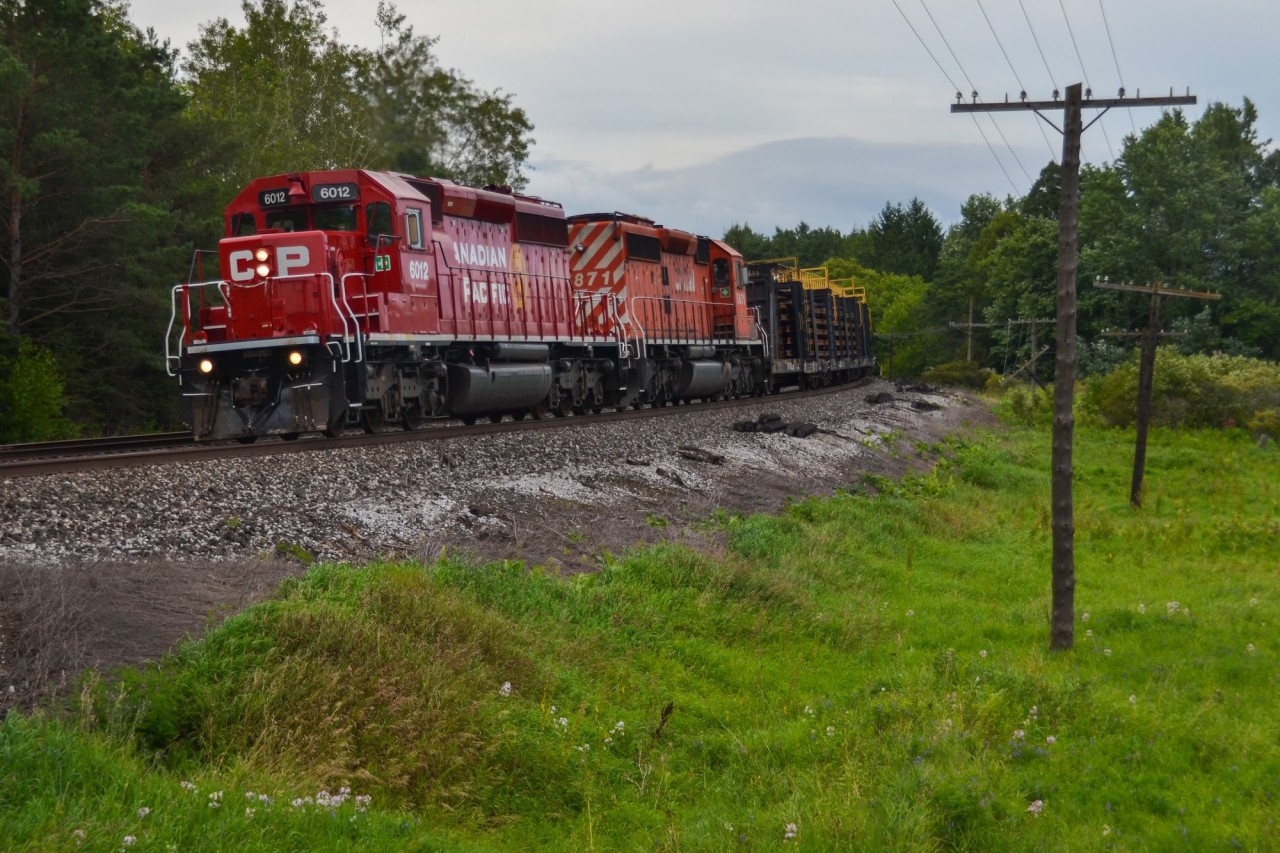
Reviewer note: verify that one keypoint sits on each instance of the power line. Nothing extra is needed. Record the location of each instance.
(1021, 85)
(1115, 58)
(1085, 74)
(974, 89)
(1036, 39)
(925, 45)
(993, 154)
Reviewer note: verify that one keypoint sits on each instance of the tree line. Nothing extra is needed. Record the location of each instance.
(118, 153)
(1192, 204)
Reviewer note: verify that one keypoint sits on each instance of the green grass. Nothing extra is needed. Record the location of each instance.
(872, 668)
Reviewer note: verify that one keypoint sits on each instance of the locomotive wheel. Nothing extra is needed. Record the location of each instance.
(539, 412)
(495, 418)
(469, 420)
(246, 439)
(371, 420)
(518, 416)
(332, 432)
(564, 408)
(290, 436)
(412, 418)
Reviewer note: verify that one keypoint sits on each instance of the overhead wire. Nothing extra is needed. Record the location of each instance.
(925, 45)
(974, 89)
(1115, 58)
(1052, 80)
(1085, 74)
(1016, 76)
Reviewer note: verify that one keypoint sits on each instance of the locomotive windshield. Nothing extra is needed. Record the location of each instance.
(339, 218)
(294, 219)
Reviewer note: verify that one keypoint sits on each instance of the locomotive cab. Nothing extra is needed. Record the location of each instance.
(267, 348)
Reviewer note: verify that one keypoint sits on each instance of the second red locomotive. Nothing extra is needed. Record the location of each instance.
(358, 297)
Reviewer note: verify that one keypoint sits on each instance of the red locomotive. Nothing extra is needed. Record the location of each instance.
(353, 296)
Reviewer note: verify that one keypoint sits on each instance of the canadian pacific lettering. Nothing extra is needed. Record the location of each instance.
(479, 255)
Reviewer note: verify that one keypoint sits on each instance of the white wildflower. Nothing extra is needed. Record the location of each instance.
(249, 811)
(1172, 607)
(790, 832)
(143, 812)
(1250, 649)
(1133, 700)
(1036, 807)
(831, 730)
(982, 654)
(1051, 740)
(1019, 734)
(1084, 617)
(505, 689)
(128, 841)
(1107, 652)
(187, 786)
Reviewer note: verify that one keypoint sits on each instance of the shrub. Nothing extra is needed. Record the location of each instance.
(32, 402)
(1191, 391)
(958, 373)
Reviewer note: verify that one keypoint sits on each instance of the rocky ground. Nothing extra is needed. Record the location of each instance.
(113, 566)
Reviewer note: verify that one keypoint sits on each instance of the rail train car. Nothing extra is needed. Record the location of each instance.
(355, 297)
(819, 327)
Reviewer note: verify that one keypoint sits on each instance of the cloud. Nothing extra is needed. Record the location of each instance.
(834, 181)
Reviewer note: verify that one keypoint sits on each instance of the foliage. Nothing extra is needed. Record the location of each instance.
(89, 124)
(427, 120)
(32, 402)
(1189, 391)
(859, 672)
(960, 373)
(904, 239)
(283, 91)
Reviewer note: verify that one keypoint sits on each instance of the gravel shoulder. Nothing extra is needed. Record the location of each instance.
(111, 567)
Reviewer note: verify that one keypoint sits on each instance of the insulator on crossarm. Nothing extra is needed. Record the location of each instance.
(1121, 92)
(1022, 95)
(1055, 94)
(975, 96)
(959, 98)
(1088, 93)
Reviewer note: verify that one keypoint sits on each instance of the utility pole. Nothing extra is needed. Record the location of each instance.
(969, 327)
(1035, 353)
(1147, 368)
(1062, 620)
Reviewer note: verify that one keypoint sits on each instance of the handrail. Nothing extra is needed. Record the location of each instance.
(169, 357)
(354, 322)
(764, 336)
(709, 310)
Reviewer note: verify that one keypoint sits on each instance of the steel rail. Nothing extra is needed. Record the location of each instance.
(190, 452)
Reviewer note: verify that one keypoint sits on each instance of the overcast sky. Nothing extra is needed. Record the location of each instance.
(706, 113)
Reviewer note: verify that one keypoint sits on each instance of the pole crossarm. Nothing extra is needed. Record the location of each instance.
(1140, 333)
(1085, 104)
(1155, 288)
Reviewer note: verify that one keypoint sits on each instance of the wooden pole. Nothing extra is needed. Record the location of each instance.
(1062, 619)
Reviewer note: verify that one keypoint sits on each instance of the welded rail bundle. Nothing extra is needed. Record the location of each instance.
(358, 297)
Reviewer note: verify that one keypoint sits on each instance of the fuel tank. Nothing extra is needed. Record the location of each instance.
(702, 378)
(509, 387)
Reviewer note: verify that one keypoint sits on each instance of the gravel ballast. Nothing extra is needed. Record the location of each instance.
(518, 494)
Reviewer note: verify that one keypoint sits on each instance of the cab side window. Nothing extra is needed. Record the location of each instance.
(413, 228)
(377, 218)
(720, 270)
(243, 224)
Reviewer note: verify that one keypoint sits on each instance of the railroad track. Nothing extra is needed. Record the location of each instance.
(60, 457)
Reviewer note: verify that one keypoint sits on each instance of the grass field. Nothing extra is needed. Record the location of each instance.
(868, 671)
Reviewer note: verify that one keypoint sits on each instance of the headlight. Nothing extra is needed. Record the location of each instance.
(295, 358)
(206, 366)
(261, 255)
(263, 270)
